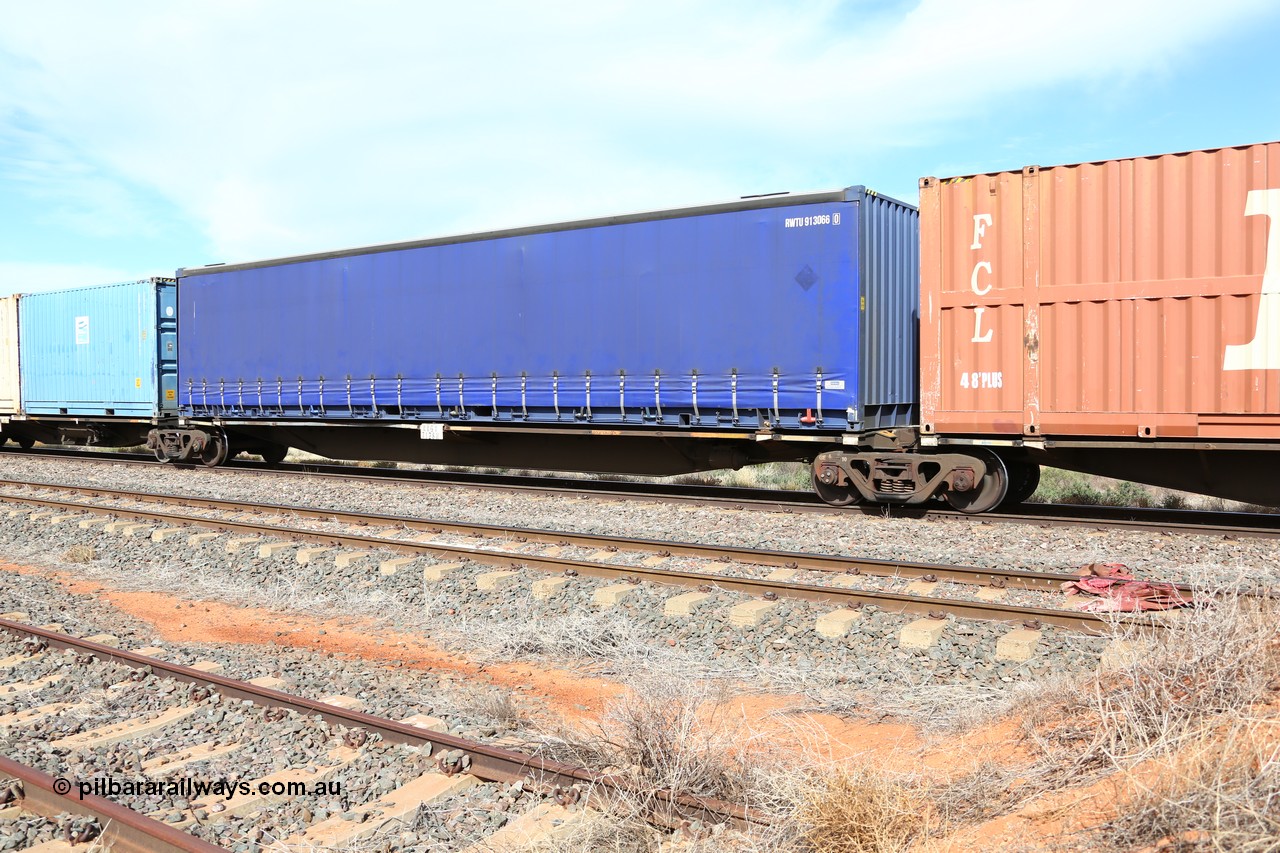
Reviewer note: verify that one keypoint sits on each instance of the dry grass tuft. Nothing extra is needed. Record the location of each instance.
(1222, 794)
(1213, 662)
(672, 733)
(80, 554)
(861, 811)
(594, 636)
(668, 733)
(495, 704)
(1180, 719)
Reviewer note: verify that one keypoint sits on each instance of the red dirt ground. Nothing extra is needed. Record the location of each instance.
(575, 698)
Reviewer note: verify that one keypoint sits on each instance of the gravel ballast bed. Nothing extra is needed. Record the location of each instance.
(617, 557)
(384, 689)
(101, 693)
(1183, 558)
(782, 651)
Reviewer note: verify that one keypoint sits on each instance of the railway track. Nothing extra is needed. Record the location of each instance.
(646, 560)
(1196, 522)
(440, 765)
(29, 792)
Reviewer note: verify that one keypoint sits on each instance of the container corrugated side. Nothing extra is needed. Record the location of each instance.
(106, 350)
(10, 393)
(677, 318)
(1127, 298)
(890, 306)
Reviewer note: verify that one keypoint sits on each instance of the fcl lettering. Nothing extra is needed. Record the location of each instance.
(981, 221)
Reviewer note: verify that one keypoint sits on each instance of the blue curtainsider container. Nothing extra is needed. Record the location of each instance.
(107, 351)
(785, 312)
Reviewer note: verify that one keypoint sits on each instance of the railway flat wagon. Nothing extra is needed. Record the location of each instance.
(1119, 317)
(98, 364)
(678, 340)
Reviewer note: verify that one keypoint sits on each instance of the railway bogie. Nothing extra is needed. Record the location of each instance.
(970, 482)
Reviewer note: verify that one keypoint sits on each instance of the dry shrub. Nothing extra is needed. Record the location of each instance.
(595, 636)
(495, 704)
(1213, 661)
(80, 554)
(672, 734)
(989, 789)
(861, 811)
(1222, 794)
(677, 734)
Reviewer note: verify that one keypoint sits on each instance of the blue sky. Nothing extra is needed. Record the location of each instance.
(139, 137)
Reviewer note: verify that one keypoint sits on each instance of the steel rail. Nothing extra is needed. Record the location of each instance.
(489, 763)
(123, 829)
(834, 563)
(759, 587)
(1195, 522)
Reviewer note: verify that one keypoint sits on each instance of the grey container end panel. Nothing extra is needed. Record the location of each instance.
(731, 317)
(103, 351)
(890, 253)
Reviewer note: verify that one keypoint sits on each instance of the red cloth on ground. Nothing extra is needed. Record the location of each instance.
(1117, 590)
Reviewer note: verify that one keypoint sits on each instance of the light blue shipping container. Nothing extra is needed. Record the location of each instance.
(106, 351)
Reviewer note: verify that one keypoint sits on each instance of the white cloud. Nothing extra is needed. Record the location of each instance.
(293, 126)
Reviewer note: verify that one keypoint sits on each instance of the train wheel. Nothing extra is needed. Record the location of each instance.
(1024, 479)
(25, 442)
(992, 489)
(161, 455)
(215, 451)
(835, 495)
(273, 454)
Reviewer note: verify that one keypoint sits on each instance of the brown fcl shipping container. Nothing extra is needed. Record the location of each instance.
(1129, 299)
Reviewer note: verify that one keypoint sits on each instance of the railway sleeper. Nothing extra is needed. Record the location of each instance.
(970, 482)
